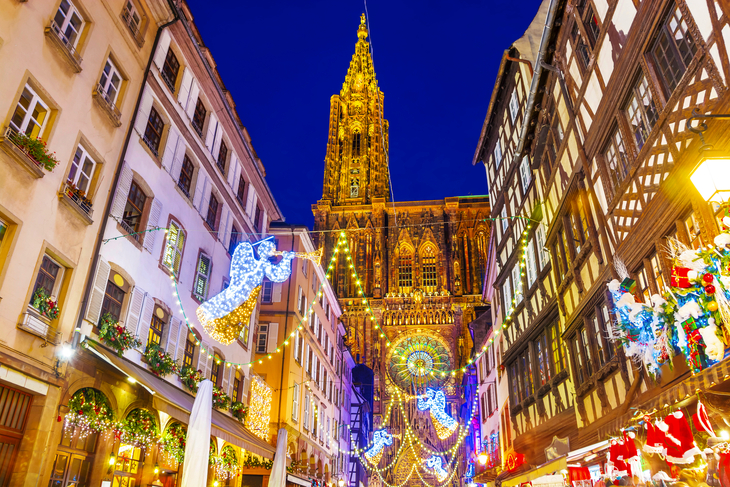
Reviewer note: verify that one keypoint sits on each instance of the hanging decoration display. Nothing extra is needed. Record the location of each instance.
(226, 464)
(160, 362)
(692, 317)
(139, 429)
(381, 439)
(115, 336)
(172, 444)
(259, 415)
(224, 315)
(436, 464)
(89, 411)
(414, 360)
(435, 402)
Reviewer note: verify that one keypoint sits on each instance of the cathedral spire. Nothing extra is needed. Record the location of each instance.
(356, 169)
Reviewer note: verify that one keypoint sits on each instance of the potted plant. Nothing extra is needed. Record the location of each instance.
(36, 150)
(191, 378)
(221, 400)
(160, 362)
(45, 304)
(239, 410)
(77, 195)
(115, 336)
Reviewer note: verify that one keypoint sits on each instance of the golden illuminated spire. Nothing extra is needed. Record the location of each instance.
(356, 165)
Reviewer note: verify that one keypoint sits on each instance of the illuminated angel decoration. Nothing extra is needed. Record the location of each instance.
(224, 315)
(435, 401)
(381, 439)
(436, 464)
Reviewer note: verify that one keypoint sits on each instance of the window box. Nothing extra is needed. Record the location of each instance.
(132, 22)
(35, 324)
(64, 45)
(75, 199)
(19, 154)
(107, 105)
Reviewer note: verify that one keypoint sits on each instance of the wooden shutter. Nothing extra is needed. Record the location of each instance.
(251, 202)
(277, 292)
(177, 161)
(273, 337)
(173, 139)
(215, 152)
(205, 199)
(295, 403)
(145, 319)
(212, 129)
(199, 189)
(152, 222)
(222, 226)
(93, 312)
(203, 357)
(185, 85)
(143, 114)
(232, 170)
(135, 309)
(162, 46)
(208, 360)
(225, 382)
(120, 196)
(192, 99)
(172, 330)
(182, 338)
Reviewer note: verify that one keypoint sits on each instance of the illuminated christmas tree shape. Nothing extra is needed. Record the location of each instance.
(381, 439)
(224, 315)
(435, 401)
(436, 464)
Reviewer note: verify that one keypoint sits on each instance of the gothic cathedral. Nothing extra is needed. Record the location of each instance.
(420, 263)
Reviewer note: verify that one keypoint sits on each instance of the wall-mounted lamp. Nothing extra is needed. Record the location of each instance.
(711, 176)
(64, 354)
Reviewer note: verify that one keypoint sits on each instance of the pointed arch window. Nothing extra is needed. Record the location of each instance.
(405, 270)
(354, 183)
(356, 144)
(429, 270)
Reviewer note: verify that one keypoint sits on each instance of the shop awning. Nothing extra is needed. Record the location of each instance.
(178, 403)
(545, 469)
(296, 480)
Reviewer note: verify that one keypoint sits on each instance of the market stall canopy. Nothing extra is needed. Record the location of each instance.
(545, 469)
(177, 403)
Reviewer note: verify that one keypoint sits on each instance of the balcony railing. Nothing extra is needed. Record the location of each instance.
(170, 82)
(198, 129)
(77, 201)
(65, 45)
(34, 323)
(107, 104)
(133, 27)
(149, 144)
(10, 143)
(125, 226)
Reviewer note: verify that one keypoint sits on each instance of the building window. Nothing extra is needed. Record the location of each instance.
(74, 457)
(257, 220)
(215, 369)
(186, 176)
(110, 82)
(267, 292)
(503, 217)
(262, 338)
(525, 174)
(641, 111)
(82, 170)
(245, 332)
(112, 303)
(235, 237)
(170, 69)
(514, 106)
(31, 114)
(241, 190)
(189, 352)
(356, 144)
(530, 264)
(526, 374)
(543, 256)
(507, 295)
(691, 224)
(200, 289)
(48, 276)
(428, 266)
(556, 344)
(543, 358)
(132, 217)
(222, 157)
(199, 117)
(174, 248)
(405, 270)
(212, 212)
(157, 325)
(237, 385)
(591, 25)
(517, 283)
(604, 349)
(305, 423)
(295, 403)
(131, 17)
(562, 252)
(153, 131)
(673, 49)
(68, 23)
(579, 219)
(582, 51)
(582, 350)
(497, 154)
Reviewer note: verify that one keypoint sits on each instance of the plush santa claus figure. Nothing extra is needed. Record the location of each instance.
(680, 444)
(701, 420)
(654, 437)
(617, 465)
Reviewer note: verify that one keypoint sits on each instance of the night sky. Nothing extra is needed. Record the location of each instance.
(435, 61)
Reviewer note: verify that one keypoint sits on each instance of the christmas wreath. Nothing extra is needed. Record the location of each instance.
(253, 461)
(158, 361)
(190, 378)
(89, 410)
(45, 304)
(139, 428)
(239, 410)
(115, 336)
(226, 463)
(221, 400)
(172, 442)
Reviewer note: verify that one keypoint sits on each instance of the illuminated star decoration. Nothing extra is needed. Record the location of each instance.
(224, 315)
(381, 439)
(435, 463)
(435, 401)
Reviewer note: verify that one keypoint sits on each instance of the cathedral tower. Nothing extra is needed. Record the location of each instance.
(356, 168)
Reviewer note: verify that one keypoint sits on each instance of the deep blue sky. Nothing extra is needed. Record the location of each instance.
(436, 62)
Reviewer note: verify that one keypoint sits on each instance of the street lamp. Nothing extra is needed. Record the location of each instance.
(711, 177)
(483, 458)
(341, 482)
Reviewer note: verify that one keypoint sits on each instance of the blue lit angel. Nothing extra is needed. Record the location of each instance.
(436, 464)
(381, 439)
(224, 315)
(435, 401)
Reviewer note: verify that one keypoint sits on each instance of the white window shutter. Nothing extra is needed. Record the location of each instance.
(152, 222)
(135, 309)
(192, 99)
(217, 142)
(172, 331)
(93, 312)
(250, 200)
(212, 129)
(244, 393)
(205, 200)
(232, 170)
(120, 197)
(162, 46)
(204, 362)
(177, 161)
(182, 338)
(237, 178)
(273, 337)
(277, 292)
(199, 188)
(225, 214)
(295, 403)
(145, 319)
(143, 114)
(262, 228)
(226, 377)
(185, 85)
(173, 139)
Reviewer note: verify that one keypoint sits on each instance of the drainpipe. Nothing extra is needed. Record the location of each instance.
(286, 323)
(547, 30)
(113, 189)
(523, 61)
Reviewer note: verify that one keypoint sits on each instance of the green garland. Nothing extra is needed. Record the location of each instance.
(221, 400)
(89, 409)
(44, 304)
(239, 410)
(252, 461)
(227, 462)
(190, 378)
(139, 428)
(160, 362)
(115, 336)
(172, 442)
